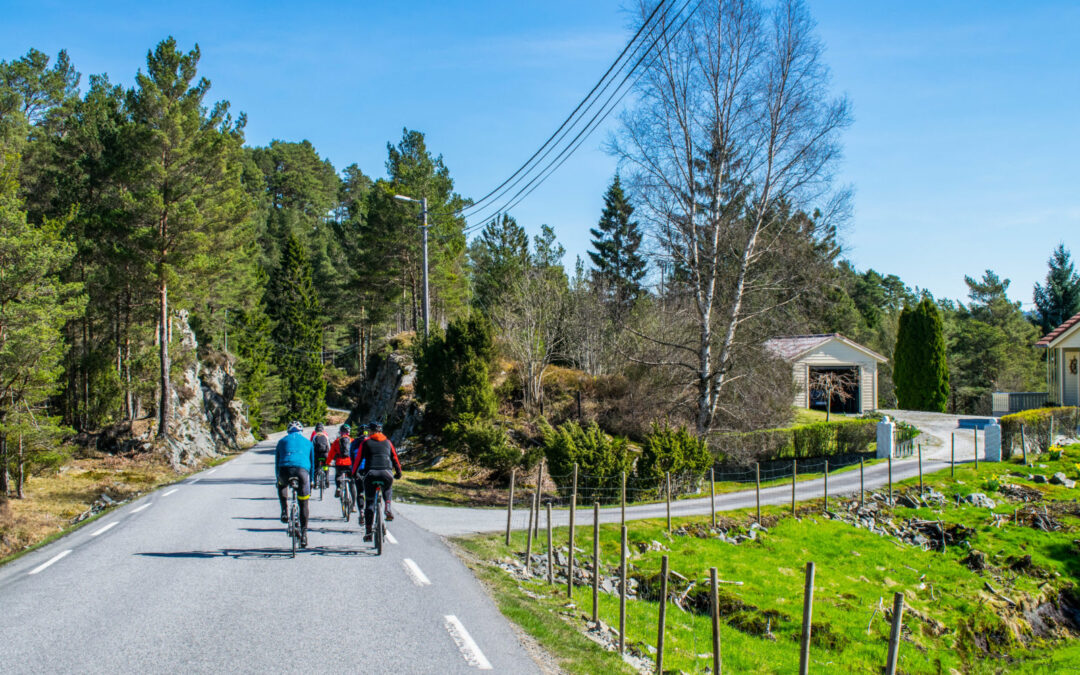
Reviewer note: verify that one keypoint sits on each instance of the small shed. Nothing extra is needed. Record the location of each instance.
(810, 355)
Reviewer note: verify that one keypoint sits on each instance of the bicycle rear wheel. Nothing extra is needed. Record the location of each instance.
(378, 521)
(294, 525)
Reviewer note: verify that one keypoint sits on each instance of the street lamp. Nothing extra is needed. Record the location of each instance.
(424, 230)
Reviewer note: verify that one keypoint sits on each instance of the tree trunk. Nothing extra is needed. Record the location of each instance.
(5, 486)
(163, 357)
(129, 403)
(21, 476)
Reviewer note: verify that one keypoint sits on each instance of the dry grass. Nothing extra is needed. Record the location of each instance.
(50, 503)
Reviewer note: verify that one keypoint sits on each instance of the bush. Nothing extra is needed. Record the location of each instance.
(818, 439)
(452, 372)
(485, 444)
(1036, 425)
(674, 450)
(601, 459)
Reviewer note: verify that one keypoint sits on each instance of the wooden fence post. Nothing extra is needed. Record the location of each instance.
(529, 533)
(757, 489)
(920, 472)
(794, 473)
(596, 562)
(667, 492)
(551, 557)
(510, 506)
(539, 482)
(826, 486)
(712, 494)
(623, 520)
(894, 633)
(714, 597)
(890, 480)
(807, 616)
(862, 484)
(975, 432)
(622, 593)
(570, 557)
(952, 456)
(663, 615)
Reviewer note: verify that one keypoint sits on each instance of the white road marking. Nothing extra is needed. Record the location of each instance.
(170, 492)
(144, 506)
(417, 575)
(390, 538)
(106, 528)
(473, 656)
(210, 471)
(49, 562)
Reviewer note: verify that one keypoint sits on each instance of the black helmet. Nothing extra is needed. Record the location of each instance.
(375, 426)
(344, 431)
(319, 426)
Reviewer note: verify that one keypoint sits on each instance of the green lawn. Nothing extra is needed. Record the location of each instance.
(953, 621)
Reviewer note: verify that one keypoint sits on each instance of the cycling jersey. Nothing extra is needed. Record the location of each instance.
(339, 452)
(294, 450)
(377, 453)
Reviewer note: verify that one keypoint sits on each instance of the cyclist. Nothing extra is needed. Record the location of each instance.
(322, 448)
(294, 457)
(358, 473)
(339, 456)
(379, 459)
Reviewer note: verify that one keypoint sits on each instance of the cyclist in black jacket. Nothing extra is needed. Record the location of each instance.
(380, 461)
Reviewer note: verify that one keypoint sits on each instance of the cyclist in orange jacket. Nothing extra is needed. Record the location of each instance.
(340, 458)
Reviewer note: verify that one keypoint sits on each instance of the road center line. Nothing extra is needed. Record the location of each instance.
(414, 571)
(473, 656)
(193, 481)
(170, 492)
(210, 471)
(390, 538)
(144, 506)
(49, 562)
(105, 529)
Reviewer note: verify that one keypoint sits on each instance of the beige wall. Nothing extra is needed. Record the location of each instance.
(836, 353)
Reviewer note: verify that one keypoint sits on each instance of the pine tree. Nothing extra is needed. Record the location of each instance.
(254, 352)
(187, 193)
(298, 336)
(920, 370)
(619, 267)
(499, 256)
(1059, 299)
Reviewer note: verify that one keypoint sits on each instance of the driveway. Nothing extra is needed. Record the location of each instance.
(940, 428)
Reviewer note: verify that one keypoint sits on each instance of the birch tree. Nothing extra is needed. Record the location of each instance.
(734, 132)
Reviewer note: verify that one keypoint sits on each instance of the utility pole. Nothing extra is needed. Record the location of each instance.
(424, 231)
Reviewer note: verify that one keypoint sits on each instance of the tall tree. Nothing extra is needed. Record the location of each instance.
(619, 267)
(920, 370)
(1059, 298)
(298, 335)
(735, 131)
(187, 195)
(499, 256)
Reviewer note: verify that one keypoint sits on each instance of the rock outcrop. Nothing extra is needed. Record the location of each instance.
(387, 395)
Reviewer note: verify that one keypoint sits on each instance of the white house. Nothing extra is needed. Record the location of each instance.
(1063, 362)
(810, 355)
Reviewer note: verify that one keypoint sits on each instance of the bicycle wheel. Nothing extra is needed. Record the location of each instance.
(320, 478)
(294, 525)
(378, 521)
(346, 507)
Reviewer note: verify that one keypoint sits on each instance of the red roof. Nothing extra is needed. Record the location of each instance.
(1056, 333)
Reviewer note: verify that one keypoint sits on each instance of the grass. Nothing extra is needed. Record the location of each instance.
(952, 620)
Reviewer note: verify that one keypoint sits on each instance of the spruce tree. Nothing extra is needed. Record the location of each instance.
(1059, 299)
(499, 257)
(254, 352)
(298, 336)
(619, 267)
(920, 371)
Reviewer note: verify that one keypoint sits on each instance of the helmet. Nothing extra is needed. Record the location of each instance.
(295, 426)
(344, 430)
(319, 426)
(375, 426)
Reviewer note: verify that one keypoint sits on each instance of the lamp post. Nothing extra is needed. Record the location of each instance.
(424, 230)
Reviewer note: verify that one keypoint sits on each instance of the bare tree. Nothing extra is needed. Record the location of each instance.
(833, 384)
(732, 140)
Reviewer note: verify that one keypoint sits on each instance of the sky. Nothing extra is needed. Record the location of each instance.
(962, 155)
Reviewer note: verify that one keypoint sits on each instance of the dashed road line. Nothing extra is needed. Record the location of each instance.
(105, 529)
(170, 492)
(50, 561)
(473, 656)
(390, 538)
(193, 481)
(144, 506)
(415, 573)
(210, 471)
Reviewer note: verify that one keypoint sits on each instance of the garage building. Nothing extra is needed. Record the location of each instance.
(810, 355)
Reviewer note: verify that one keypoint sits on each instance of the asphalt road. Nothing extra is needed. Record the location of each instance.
(197, 577)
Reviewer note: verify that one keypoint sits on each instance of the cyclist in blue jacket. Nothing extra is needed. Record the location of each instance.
(295, 458)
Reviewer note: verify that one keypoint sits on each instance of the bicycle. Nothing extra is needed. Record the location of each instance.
(322, 480)
(347, 498)
(293, 527)
(379, 528)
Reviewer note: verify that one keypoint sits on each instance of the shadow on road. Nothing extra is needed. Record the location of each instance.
(257, 499)
(262, 553)
(236, 481)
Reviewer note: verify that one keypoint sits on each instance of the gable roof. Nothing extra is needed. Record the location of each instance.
(792, 347)
(1060, 331)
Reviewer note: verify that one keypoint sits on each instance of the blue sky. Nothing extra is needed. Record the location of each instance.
(962, 155)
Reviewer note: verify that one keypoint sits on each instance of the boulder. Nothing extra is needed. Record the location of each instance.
(387, 395)
(1058, 478)
(980, 500)
(1038, 478)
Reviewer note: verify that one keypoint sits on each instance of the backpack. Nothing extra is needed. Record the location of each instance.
(322, 444)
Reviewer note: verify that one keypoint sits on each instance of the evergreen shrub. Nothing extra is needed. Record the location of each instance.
(675, 450)
(601, 460)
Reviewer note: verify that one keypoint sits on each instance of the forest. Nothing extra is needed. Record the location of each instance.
(120, 207)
